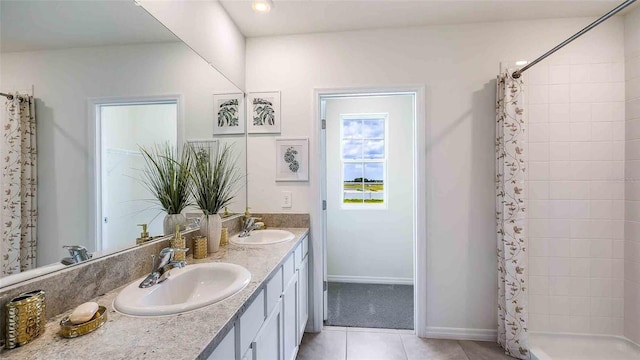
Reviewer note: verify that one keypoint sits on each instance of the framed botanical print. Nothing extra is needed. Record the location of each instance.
(263, 109)
(229, 114)
(292, 159)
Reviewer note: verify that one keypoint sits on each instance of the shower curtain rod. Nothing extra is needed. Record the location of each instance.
(516, 74)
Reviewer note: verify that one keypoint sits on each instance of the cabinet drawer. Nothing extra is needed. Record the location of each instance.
(251, 321)
(288, 269)
(274, 290)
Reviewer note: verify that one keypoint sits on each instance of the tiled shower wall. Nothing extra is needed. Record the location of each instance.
(632, 176)
(576, 189)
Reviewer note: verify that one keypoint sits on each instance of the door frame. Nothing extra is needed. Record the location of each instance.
(318, 191)
(94, 148)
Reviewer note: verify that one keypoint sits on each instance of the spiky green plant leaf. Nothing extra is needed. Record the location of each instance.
(215, 181)
(166, 178)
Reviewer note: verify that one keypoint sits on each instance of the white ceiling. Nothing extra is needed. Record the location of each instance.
(310, 16)
(29, 25)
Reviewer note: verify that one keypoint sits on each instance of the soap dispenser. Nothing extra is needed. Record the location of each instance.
(178, 242)
(144, 235)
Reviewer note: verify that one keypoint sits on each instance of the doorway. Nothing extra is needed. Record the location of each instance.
(123, 127)
(369, 184)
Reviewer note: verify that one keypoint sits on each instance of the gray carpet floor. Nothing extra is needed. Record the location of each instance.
(370, 305)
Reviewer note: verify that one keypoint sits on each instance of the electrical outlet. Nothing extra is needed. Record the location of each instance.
(286, 199)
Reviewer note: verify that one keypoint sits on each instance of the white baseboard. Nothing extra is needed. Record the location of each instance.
(370, 280)
(461, 334)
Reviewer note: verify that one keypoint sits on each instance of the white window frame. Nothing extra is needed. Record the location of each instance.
(363, 205)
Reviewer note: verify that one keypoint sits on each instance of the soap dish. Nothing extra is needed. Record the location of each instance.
(69, 330)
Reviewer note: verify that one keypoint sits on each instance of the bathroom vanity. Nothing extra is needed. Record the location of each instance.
(265, 320)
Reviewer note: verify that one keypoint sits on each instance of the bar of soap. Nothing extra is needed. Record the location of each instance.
(83, 313)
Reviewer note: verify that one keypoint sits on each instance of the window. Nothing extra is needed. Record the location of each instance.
(363, 151)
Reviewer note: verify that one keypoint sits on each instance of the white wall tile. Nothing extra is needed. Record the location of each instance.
(538, 113)
(560, 113)
(538, 94)
(559, 74)
(559, 94)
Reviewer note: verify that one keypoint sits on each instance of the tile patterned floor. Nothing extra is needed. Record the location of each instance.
(339, 343)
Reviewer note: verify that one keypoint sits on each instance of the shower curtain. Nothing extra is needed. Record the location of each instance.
(511, 216)
(19, 185)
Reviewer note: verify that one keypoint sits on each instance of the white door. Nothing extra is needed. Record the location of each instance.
(125, 200)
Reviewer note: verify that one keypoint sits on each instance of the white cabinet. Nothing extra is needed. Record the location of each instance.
(226, 350)
(290, 318)
(268, 343)
(303, 300)
(284, 300)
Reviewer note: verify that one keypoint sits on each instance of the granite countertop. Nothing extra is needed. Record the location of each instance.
(191, 335)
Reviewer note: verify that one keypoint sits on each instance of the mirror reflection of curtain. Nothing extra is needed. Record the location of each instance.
(511, 216)
(19, 185)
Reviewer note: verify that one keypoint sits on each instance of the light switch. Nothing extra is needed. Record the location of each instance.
(286, 199)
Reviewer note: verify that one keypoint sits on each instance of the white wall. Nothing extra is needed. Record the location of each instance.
(632, 177)
(357, 248)
(576, 188)
(206, 27)
(458, 65)
(63, 81)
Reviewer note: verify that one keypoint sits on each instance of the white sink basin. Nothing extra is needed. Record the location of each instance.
(263, 237)
(188, 288)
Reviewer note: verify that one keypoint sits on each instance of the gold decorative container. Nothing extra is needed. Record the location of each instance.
(69, 330)
(26, 318)
(200, 247)
(224, 236)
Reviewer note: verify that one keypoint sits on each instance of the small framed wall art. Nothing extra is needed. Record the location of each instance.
(228, 114)
(263, 109)
(292, 159)
(205, 147)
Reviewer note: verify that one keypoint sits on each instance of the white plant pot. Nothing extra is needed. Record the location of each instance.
(211, 227)
(170, 222)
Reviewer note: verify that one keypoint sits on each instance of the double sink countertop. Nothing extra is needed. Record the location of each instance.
(191, 335)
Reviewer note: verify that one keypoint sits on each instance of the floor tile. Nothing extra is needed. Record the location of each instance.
(374, 346)
(334, 328)
(483, 350)
(326, 345)
(372, 330)
(432, 349)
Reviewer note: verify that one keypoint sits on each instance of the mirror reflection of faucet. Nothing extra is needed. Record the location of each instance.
(78, 254)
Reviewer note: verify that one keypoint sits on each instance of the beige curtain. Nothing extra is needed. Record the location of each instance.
(19, 185)
(511, 217)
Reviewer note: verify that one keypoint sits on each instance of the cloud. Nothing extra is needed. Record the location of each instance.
(373, 149)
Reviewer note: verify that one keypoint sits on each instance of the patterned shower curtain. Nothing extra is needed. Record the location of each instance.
(19, 185)
(511, 216)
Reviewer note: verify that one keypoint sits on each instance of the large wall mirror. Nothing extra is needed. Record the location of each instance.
(106, 78)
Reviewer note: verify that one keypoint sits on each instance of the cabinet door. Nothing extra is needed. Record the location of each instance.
(290, 318)
(303, 293)
(226, 350)
(268, 343)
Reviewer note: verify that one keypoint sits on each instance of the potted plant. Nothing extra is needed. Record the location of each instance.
(214, 185)
(169, 180)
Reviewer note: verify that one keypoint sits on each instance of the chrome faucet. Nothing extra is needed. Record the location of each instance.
(78, 254)
(249, 225)
(161, 268)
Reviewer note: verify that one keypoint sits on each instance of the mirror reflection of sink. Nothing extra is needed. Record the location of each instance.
(263, 237)
(188, 288)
